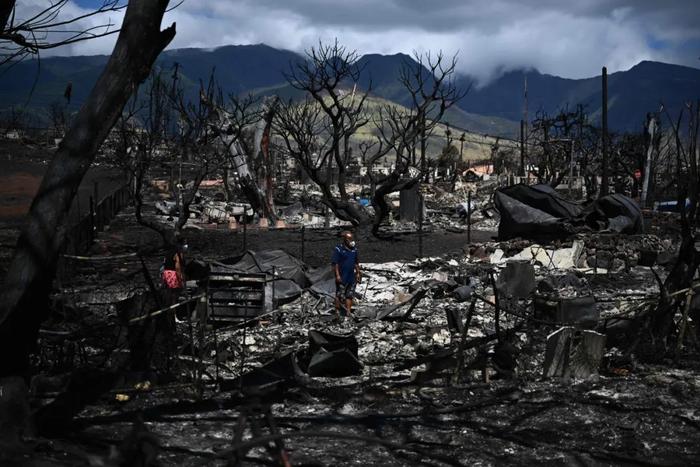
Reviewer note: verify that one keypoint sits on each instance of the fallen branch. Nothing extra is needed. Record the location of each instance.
(413, 299)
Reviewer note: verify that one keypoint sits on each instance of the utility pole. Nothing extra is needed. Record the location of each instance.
(523, 131)
(327, 211)
(605, 182)
(422, 149)
(571, 169)
(448, 143)
(522, 148)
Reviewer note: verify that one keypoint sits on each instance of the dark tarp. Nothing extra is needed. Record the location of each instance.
(290, 276)
(322, 281)
(286, 266)
(327, 355)
(538, 212)
(324, 289)
(332, 355)
(543, 198)
(616, 213)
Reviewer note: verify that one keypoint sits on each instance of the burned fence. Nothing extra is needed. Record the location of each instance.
(82, 234)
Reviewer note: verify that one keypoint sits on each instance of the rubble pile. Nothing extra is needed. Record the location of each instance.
(445, 206)
(496, 347)
(204, 211)
(492, 333)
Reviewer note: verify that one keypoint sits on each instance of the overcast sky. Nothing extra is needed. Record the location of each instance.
(563, 37)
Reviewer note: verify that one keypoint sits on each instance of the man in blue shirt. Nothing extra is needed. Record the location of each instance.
(346, 267)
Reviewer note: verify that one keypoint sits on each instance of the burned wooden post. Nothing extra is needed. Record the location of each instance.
(462, 341)
(245, 234)
(571, 169)
(409, 203)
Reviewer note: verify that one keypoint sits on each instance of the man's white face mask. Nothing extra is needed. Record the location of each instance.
(352, 244)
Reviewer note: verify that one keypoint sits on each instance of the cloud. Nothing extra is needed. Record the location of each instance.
(570, 39)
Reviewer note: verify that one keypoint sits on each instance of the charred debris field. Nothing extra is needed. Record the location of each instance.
(242, 255)
(461, 349)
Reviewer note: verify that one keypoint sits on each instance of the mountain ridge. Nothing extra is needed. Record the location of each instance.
(493, 108)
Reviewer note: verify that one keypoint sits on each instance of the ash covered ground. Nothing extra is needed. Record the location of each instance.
(453, 365)
(407, 405)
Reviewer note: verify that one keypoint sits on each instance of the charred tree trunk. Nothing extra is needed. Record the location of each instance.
(390, 184)
(262, 144)
(268, 170)
(31, 272)
(247, 183)
(344, 209)
(6, 8)
(137, 196)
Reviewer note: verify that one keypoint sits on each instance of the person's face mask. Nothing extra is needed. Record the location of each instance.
(352, 244)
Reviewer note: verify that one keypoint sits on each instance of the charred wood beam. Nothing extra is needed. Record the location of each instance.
(462, 342)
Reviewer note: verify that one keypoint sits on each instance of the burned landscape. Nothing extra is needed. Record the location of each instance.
(341, 266)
